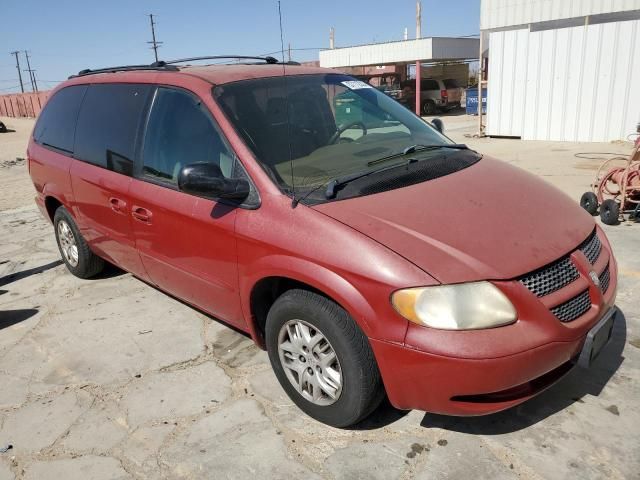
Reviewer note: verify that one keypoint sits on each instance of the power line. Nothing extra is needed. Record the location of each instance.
(9, 88)
(155, 44)
(18, 67)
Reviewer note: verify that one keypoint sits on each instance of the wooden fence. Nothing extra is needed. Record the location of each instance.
(22, 104)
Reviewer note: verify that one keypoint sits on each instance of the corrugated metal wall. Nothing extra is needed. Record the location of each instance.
(569, 84)
(504, 13)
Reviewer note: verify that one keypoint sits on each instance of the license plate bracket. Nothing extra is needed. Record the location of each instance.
(597, 338)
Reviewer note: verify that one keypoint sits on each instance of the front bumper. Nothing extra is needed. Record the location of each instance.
(461, 386)
(484, 371)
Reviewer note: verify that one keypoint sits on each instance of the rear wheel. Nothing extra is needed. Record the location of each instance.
(429, 107)
(589, 202)
(610, 212)
(322, 359)
(75, 252)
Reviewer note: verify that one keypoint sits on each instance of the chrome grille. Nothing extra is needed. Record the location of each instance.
(550, 278)
(604, 277)
(574, 308)
(591, 248)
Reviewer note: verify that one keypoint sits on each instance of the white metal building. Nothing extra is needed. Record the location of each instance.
(565, 70)
(405, 51)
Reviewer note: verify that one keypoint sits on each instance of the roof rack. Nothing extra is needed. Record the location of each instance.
(162, 63)
(169, 66)
(124, 68)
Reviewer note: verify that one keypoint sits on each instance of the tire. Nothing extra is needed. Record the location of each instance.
(83, 263)
(429, 108)
(361, 389)
(589, 202)
(610, 212)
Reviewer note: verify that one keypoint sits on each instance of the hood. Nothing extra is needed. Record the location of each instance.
(490, 221)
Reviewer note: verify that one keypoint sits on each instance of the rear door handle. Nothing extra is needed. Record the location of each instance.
(117, 205)
(141, 213)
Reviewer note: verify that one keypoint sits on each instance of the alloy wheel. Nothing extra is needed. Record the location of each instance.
(310, 362)
(68, 243)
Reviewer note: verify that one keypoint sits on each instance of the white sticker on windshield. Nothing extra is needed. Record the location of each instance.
(356, 84)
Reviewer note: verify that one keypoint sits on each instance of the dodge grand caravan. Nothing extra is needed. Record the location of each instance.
(370, 258)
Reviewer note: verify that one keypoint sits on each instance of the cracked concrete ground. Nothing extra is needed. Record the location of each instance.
(112, 379)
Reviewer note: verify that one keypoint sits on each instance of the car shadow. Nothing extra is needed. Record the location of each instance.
(109, 271)
(14, 277)
(578, 383)
(11, 317)
(385, 414)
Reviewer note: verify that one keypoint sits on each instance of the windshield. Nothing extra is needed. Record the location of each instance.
(321, 128)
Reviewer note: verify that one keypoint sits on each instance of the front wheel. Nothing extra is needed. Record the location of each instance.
(77, 255)
(322, 359)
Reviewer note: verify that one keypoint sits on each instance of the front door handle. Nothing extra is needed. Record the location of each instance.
(141, 213)
(117, 205)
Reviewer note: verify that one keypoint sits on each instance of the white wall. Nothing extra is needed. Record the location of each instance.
(504, 13)
(569, 84)
(436, 48)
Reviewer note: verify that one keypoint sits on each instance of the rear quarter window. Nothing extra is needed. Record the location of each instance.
(108, 124)
(56, 124)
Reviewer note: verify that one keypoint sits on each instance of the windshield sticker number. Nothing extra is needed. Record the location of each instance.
(356, 84)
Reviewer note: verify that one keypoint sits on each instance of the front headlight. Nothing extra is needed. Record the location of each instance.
(465, 306)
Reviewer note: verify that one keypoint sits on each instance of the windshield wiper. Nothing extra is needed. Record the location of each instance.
(336, 183)
(417, 148)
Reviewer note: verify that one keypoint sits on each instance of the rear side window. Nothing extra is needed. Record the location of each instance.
(180, 131)
(57, 122)
(450, 83)
(108, 124)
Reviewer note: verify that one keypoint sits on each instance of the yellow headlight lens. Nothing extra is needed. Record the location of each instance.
(465, 306)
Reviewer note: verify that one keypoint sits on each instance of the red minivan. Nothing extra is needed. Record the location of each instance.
(368, 253)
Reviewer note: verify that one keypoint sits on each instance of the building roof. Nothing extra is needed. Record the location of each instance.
(428, 49)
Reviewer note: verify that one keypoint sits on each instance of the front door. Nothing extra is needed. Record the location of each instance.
(187, 243)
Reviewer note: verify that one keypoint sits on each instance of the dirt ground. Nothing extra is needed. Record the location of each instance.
(112, 379)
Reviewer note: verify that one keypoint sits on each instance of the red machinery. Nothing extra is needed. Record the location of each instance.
(616, 189)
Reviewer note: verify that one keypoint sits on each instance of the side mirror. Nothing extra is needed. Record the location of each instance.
(438, 124)
(206, 180)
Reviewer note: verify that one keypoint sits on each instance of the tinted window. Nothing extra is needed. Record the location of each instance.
(57, 122)
(108, 124)
(450, 83)
(429, 84)
(180, 131)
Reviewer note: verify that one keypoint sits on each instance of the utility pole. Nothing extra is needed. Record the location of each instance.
(18, 67)
(32, 76)
(154, 44)
(480, 84)
(418, 66)
(332, 38)
(289, 51)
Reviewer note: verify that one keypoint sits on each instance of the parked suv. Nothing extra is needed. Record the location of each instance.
(368, 257)
(436, 95)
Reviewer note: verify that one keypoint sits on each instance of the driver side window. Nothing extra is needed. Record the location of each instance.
(180, 131)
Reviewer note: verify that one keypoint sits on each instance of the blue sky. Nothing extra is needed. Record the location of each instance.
(65, 36)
